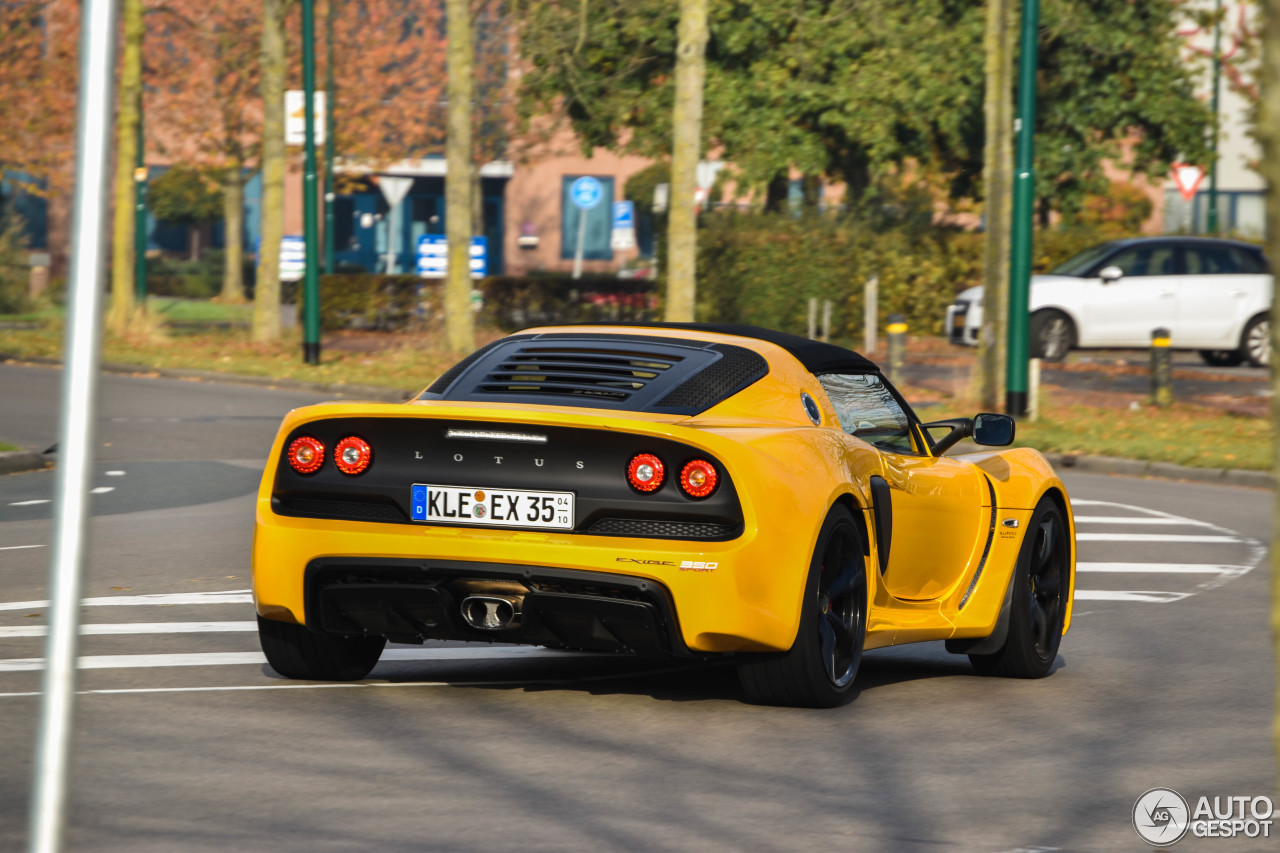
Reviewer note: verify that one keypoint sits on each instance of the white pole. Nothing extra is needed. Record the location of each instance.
(76, 431)
(1033, 390)
(870, 311)
(826, 320)
(813, 317)
(582, 237)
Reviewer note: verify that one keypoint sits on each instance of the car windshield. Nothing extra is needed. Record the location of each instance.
(1080, 264)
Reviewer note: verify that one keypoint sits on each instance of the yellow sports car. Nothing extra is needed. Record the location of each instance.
(681, 490)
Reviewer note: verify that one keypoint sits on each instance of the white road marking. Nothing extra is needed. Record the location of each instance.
(258, 659)
(102, 490)
(1153, 537)
(1164, 568)
(1148, 596)
(18, 547)
(1139, 519)
(231, 596)
(115, 473)
(32, 503)
(113, 628)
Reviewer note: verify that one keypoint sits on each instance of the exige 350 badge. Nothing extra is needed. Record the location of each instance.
(685, 565)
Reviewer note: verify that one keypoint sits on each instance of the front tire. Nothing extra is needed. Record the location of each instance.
(1053, 335)
(819, 669)
(1255, 343)
(296, 652)
(1041, 590)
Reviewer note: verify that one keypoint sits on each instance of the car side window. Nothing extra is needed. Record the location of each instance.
(1213, 260)
(867, 409)
(1251, 263)
(1145, 260)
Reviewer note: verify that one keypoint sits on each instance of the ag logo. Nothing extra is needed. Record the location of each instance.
(1161, 816)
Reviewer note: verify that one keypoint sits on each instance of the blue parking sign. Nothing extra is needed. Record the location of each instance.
(586, 192)
(624, 214)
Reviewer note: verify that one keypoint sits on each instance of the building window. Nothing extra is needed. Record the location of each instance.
(599, 221)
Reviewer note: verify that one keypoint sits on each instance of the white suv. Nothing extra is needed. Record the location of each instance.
(1212, 295)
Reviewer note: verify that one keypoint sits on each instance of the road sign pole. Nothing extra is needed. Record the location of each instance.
(582, 236)
(77, 425)
(1024, 193)
(140, 215)
(1215, 126)
(329, 247)
(311, 277)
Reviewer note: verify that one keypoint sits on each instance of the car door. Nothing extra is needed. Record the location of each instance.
(1222, 288)
(930, 521)
(1124, 312)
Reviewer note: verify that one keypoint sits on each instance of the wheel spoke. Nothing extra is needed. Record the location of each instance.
(1039, 626)
(843, 631)
(1047, 586)
(828, 636)
(1047, 543)
(848, 580)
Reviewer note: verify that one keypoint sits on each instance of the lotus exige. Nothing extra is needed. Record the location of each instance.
(677, 490)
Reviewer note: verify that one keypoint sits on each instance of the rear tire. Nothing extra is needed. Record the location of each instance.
(1041, 590)
(1255, 343)
(1222, 357)
(1053, 335)
(295, 652)
(819, 670)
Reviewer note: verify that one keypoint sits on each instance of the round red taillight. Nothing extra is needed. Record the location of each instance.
(306, 454)
(646, 472)
(352, 455)
(699, 478)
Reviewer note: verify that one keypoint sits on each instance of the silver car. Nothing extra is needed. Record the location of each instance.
(1212, 295)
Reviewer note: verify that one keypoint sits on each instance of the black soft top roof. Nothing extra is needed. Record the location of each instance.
(816, 356)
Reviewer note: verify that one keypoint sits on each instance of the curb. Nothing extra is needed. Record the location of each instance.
(364, 392)
(17, 461)
(1161, 470)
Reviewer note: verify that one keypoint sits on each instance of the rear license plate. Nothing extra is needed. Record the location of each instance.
(491, 507)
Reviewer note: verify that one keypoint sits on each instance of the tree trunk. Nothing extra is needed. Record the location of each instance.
(810, 194)
(686, 148)
(459, 58)
(1269, 167)
(997, 178)
(233, 235)
(776, 193)
(122, 249)
(266, 300)
(193, 241)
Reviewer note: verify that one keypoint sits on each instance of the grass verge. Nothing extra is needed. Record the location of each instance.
(6, 447)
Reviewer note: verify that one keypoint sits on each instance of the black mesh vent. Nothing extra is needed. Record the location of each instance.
(569, 371)
(736, 369)
(349, 510)
(446, 378)
(661, 529)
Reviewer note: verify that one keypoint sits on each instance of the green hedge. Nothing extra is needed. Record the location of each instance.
(763, 270)
(517, 302)
(375, 301)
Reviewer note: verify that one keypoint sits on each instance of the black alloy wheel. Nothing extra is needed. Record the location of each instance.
(1041, 590)
(819, 669)
(1256, 341)
(1053, 335)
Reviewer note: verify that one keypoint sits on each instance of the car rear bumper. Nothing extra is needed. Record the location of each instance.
(627, 594)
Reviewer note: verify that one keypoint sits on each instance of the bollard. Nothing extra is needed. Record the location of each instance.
(813, 317)
(826, 320)
(1161, 368)
(871, 314)
(897, 346)
(1033, 390)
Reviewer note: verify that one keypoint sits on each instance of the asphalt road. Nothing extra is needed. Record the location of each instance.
(1165, 679)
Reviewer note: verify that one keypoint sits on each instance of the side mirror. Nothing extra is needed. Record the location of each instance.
(1110, 274)
(993, 430)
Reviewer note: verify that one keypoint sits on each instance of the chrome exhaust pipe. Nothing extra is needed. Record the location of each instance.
(490, 612)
